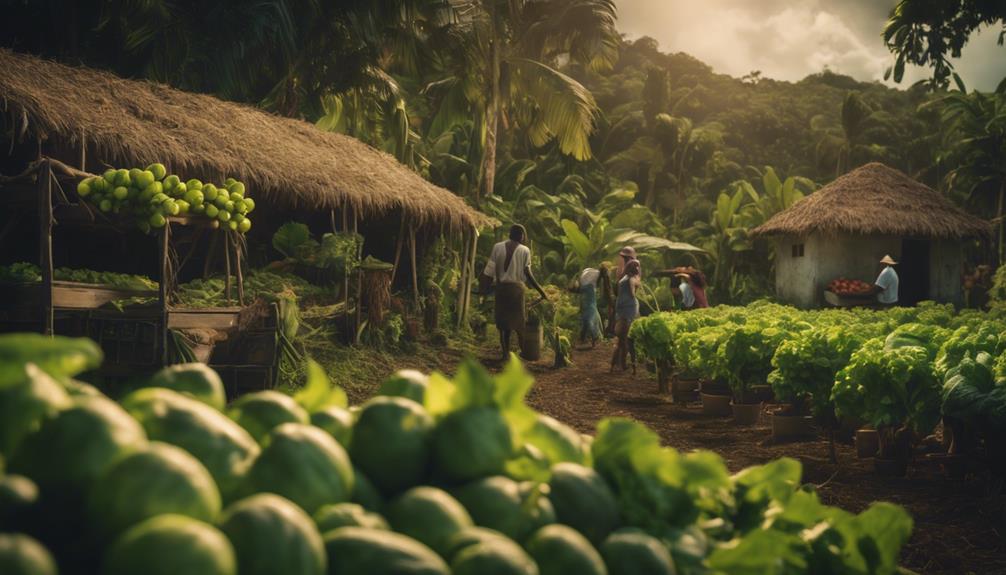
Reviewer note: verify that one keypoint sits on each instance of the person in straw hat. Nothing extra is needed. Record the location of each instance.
(886, 286)
(510, 266)
(684, 289)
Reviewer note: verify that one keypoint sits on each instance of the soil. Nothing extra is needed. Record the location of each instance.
(960, 525)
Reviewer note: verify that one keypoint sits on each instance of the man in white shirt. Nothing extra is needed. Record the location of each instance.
(509, 266)
(886, 286)
(685, 288)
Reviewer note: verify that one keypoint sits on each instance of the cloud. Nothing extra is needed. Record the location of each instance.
(787, 39)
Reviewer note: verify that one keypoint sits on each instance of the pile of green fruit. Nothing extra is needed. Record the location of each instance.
(151, 195)
(433, 476)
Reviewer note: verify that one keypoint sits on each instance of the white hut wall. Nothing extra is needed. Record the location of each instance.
(946, 262)
(795, 271)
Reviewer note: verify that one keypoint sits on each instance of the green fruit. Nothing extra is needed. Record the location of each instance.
(249, 205)
(154, 189)
(557, 441)
(405, 383)
(160, 198)
(237, 188)
(261, 411)
(157, 220)
(428, 515)
(338, 422)
(303, 464)
(22, 555)
(391, 443)
(357, 550)
(228, 206)
(158, 170)
(156, 480)
(193, 184)
(135, 174)
(211, 211)
(210, 192)
(110, 175)
(240, 207)
(583, 501)
(196, 380)
(232, 225)
(221, 202)
(120, 193)
(25, 404)
(73, 448)
(194, 197)
(221, 445)
(197, 209)
(364, 492)
(18, 498)
(171, 545)
(144, 178)
(501, 503)
(471, 443)
(183, 206)
(229, 181)
(84, 188)
(170, 208)
(493, 556)
(339, 515)
(272, 536)
(171, 182)
(472, 536)
(244, 226)
(558, 550)
(632, 552)
(122, 178)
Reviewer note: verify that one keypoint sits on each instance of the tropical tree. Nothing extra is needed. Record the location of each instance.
(503, 66)
(855, 138)
(976, 148)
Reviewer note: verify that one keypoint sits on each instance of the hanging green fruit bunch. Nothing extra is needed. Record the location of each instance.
(150, 196)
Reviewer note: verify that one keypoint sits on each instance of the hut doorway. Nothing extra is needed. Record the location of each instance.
(913, 272)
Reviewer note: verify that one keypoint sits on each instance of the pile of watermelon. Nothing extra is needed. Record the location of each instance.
(433, 476)
(845, 287)
(150, 196)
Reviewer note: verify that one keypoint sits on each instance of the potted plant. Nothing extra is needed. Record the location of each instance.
(890, 385)
(745, 356)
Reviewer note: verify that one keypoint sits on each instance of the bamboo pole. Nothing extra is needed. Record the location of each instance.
(473, 272)
(240, 276)
(359, 288)
(162, 289)
(415, 273)
(45, 242)
(227, 267)
(460, 306)
(345, 280)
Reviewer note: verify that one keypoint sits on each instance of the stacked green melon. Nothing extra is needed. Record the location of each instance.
(150, 196)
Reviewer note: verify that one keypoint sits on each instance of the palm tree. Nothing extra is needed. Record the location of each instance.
(976, 142)
(504, 68)
(853, 137)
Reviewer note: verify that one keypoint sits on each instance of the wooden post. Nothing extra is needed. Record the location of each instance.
(359, 288)
(227, 267)
(461, 303)
(415, 265)
(350, 334)
(45, 241)
(398, 249)
(331, 215)
(83, 152)
(473, 272)
(240, 276)
(162, 289)
(208, 264)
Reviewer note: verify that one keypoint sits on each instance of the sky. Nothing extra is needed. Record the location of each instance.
(790, 39)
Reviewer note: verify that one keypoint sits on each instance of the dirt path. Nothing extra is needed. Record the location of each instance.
(958, 526)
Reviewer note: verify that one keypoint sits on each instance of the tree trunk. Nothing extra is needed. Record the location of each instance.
(487, 176)
(1002, 225)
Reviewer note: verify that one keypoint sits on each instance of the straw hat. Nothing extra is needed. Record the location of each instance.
(888, 260)
(682, 275)
(628, 251)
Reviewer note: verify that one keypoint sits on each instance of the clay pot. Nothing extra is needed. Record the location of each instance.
(867, 443)
(746, 413)
(792, 426)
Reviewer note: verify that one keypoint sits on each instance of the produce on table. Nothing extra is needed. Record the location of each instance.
(845, 287)
(150, 196)
(670, 508)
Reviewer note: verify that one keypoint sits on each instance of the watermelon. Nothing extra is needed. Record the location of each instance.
(337, 421)
(428, 515)
(18, 497)
(407, 383)
(493, 556)
(471, 443)
(362, 551)
(557, 441)
(391, 443)
(155, 480)
(196, 380)
(55, 355)
(272, 536)
(364, 492)
(73, 448)
(502, 504)
(583, 500)
(223, 446)
(633, 552)
(559, 550)
(303, 464)
(471, 536)
(339, 515)
(22, 555)
(171, 545)
(26, 403)
(261, 411)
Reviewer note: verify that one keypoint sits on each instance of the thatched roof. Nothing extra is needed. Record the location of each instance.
(289, 163)
(876, 200)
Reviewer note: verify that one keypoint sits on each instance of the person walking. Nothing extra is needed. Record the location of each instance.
(684, 290)
(590, 318)
(509, 266)
(625, 255)
(626, 311)
(697, 281)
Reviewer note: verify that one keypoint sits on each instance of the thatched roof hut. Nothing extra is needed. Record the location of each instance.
(876, 200)
(288, 163)
(845, 228)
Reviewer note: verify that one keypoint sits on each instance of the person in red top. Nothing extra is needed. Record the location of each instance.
(697, 280)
